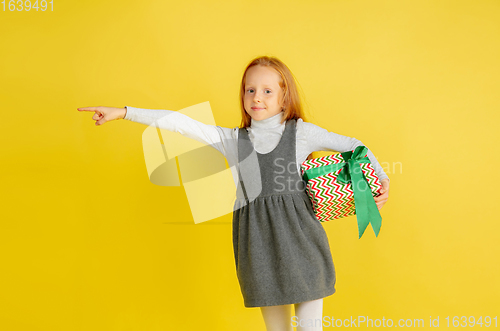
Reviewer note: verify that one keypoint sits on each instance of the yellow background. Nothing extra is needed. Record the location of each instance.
(83, 235)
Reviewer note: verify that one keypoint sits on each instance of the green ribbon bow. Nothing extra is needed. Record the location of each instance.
(366, 208)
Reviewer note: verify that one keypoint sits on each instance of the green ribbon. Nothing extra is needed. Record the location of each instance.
(366, 208)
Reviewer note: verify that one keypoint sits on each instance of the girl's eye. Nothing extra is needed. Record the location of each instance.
(251, 90)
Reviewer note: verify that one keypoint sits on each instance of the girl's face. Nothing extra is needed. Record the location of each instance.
(262, 93)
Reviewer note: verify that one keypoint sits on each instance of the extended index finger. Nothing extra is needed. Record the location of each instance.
(88, 108)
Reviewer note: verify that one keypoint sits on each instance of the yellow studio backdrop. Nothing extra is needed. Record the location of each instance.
(89, 243)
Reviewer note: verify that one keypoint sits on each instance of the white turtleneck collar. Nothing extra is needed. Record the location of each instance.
(268, 123)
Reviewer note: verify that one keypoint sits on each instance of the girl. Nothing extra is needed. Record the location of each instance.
(281, 250)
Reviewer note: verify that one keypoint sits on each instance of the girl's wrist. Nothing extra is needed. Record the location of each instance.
(124, 110)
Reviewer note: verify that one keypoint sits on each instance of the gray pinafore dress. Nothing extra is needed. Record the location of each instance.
(281, 250)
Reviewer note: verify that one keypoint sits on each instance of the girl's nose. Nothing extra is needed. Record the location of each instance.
(256, 97)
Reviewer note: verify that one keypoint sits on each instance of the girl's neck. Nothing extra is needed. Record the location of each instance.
(268, 123)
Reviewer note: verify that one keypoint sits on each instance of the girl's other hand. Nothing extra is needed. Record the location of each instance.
(382, 198)
(105, 114)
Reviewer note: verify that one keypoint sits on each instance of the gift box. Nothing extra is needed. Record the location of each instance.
(344, 184)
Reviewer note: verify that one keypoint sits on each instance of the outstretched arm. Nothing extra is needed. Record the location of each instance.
(212, 135)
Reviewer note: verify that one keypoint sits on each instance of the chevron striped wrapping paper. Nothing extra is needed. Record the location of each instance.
(332, 198)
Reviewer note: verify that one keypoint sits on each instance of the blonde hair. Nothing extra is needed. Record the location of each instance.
(291, 101)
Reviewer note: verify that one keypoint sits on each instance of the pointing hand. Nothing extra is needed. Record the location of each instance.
(105, 114)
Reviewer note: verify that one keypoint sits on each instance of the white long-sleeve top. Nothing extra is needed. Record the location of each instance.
(264, 135)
